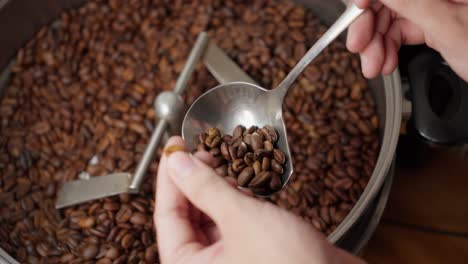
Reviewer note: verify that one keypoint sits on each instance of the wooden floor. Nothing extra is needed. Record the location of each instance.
(426, 219)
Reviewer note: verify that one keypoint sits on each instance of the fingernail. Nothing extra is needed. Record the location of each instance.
(171, 149)
(180, 164)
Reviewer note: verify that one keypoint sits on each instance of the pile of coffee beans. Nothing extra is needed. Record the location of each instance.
(80, 100)
(248, 155)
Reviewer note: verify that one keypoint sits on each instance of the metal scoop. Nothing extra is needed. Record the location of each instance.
(242, 103)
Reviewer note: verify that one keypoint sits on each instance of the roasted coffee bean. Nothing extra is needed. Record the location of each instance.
(249, 159)
(112, 253)
(256, 141)
(276, 167)
(138, 218)
(212, 141)
(213, 132)
(275, 183)
(23, 186)
(151, 254)
(140, 204)
(42, 249)
(89, 251)
(266, 164)
(98, 232)
(352, 172)
(344, 183)
(224, 151)
(267, 145)
(67, 258)
(247, 139)
(313, 164)
(293, 198)
(338, 216)
(236, 143)
(245, 176)
(259, 154)
(350, 128)
(237, 165)
(127, 241)
(257, 167)
(232, 152)
(226, 138)
(121, 260)
(270, 134)
(325, 214)
(260, 180)
(319, 224)
(123, 215)
(250, 130)
(237, 133)
(260, 190)
(241, 150)
(86, 222)
(111, 206)
(279, 156)
(231, 173)
(104, 261)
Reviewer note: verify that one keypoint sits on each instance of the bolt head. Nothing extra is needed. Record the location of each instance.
(169, 106)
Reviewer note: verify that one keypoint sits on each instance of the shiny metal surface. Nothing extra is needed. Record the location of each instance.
(147, 157)
(247, 104)
(6, 259)
(27, 16)
(169, 106)
(80, 191)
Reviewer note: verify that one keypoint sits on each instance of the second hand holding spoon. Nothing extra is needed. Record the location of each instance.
(241, 103)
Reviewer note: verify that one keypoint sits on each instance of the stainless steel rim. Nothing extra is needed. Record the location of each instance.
(393, 106)
(381, 204)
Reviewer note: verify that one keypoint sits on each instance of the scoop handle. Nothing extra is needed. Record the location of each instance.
(343, 22)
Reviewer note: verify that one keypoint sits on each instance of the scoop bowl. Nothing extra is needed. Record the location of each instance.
(238, 103)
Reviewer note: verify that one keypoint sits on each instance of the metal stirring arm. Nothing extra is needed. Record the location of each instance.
(169, 106)
(140, 172)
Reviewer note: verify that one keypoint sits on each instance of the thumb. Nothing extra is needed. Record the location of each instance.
(204, 188)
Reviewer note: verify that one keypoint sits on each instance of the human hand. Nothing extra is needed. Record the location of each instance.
(201, 218)
(379, 33)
